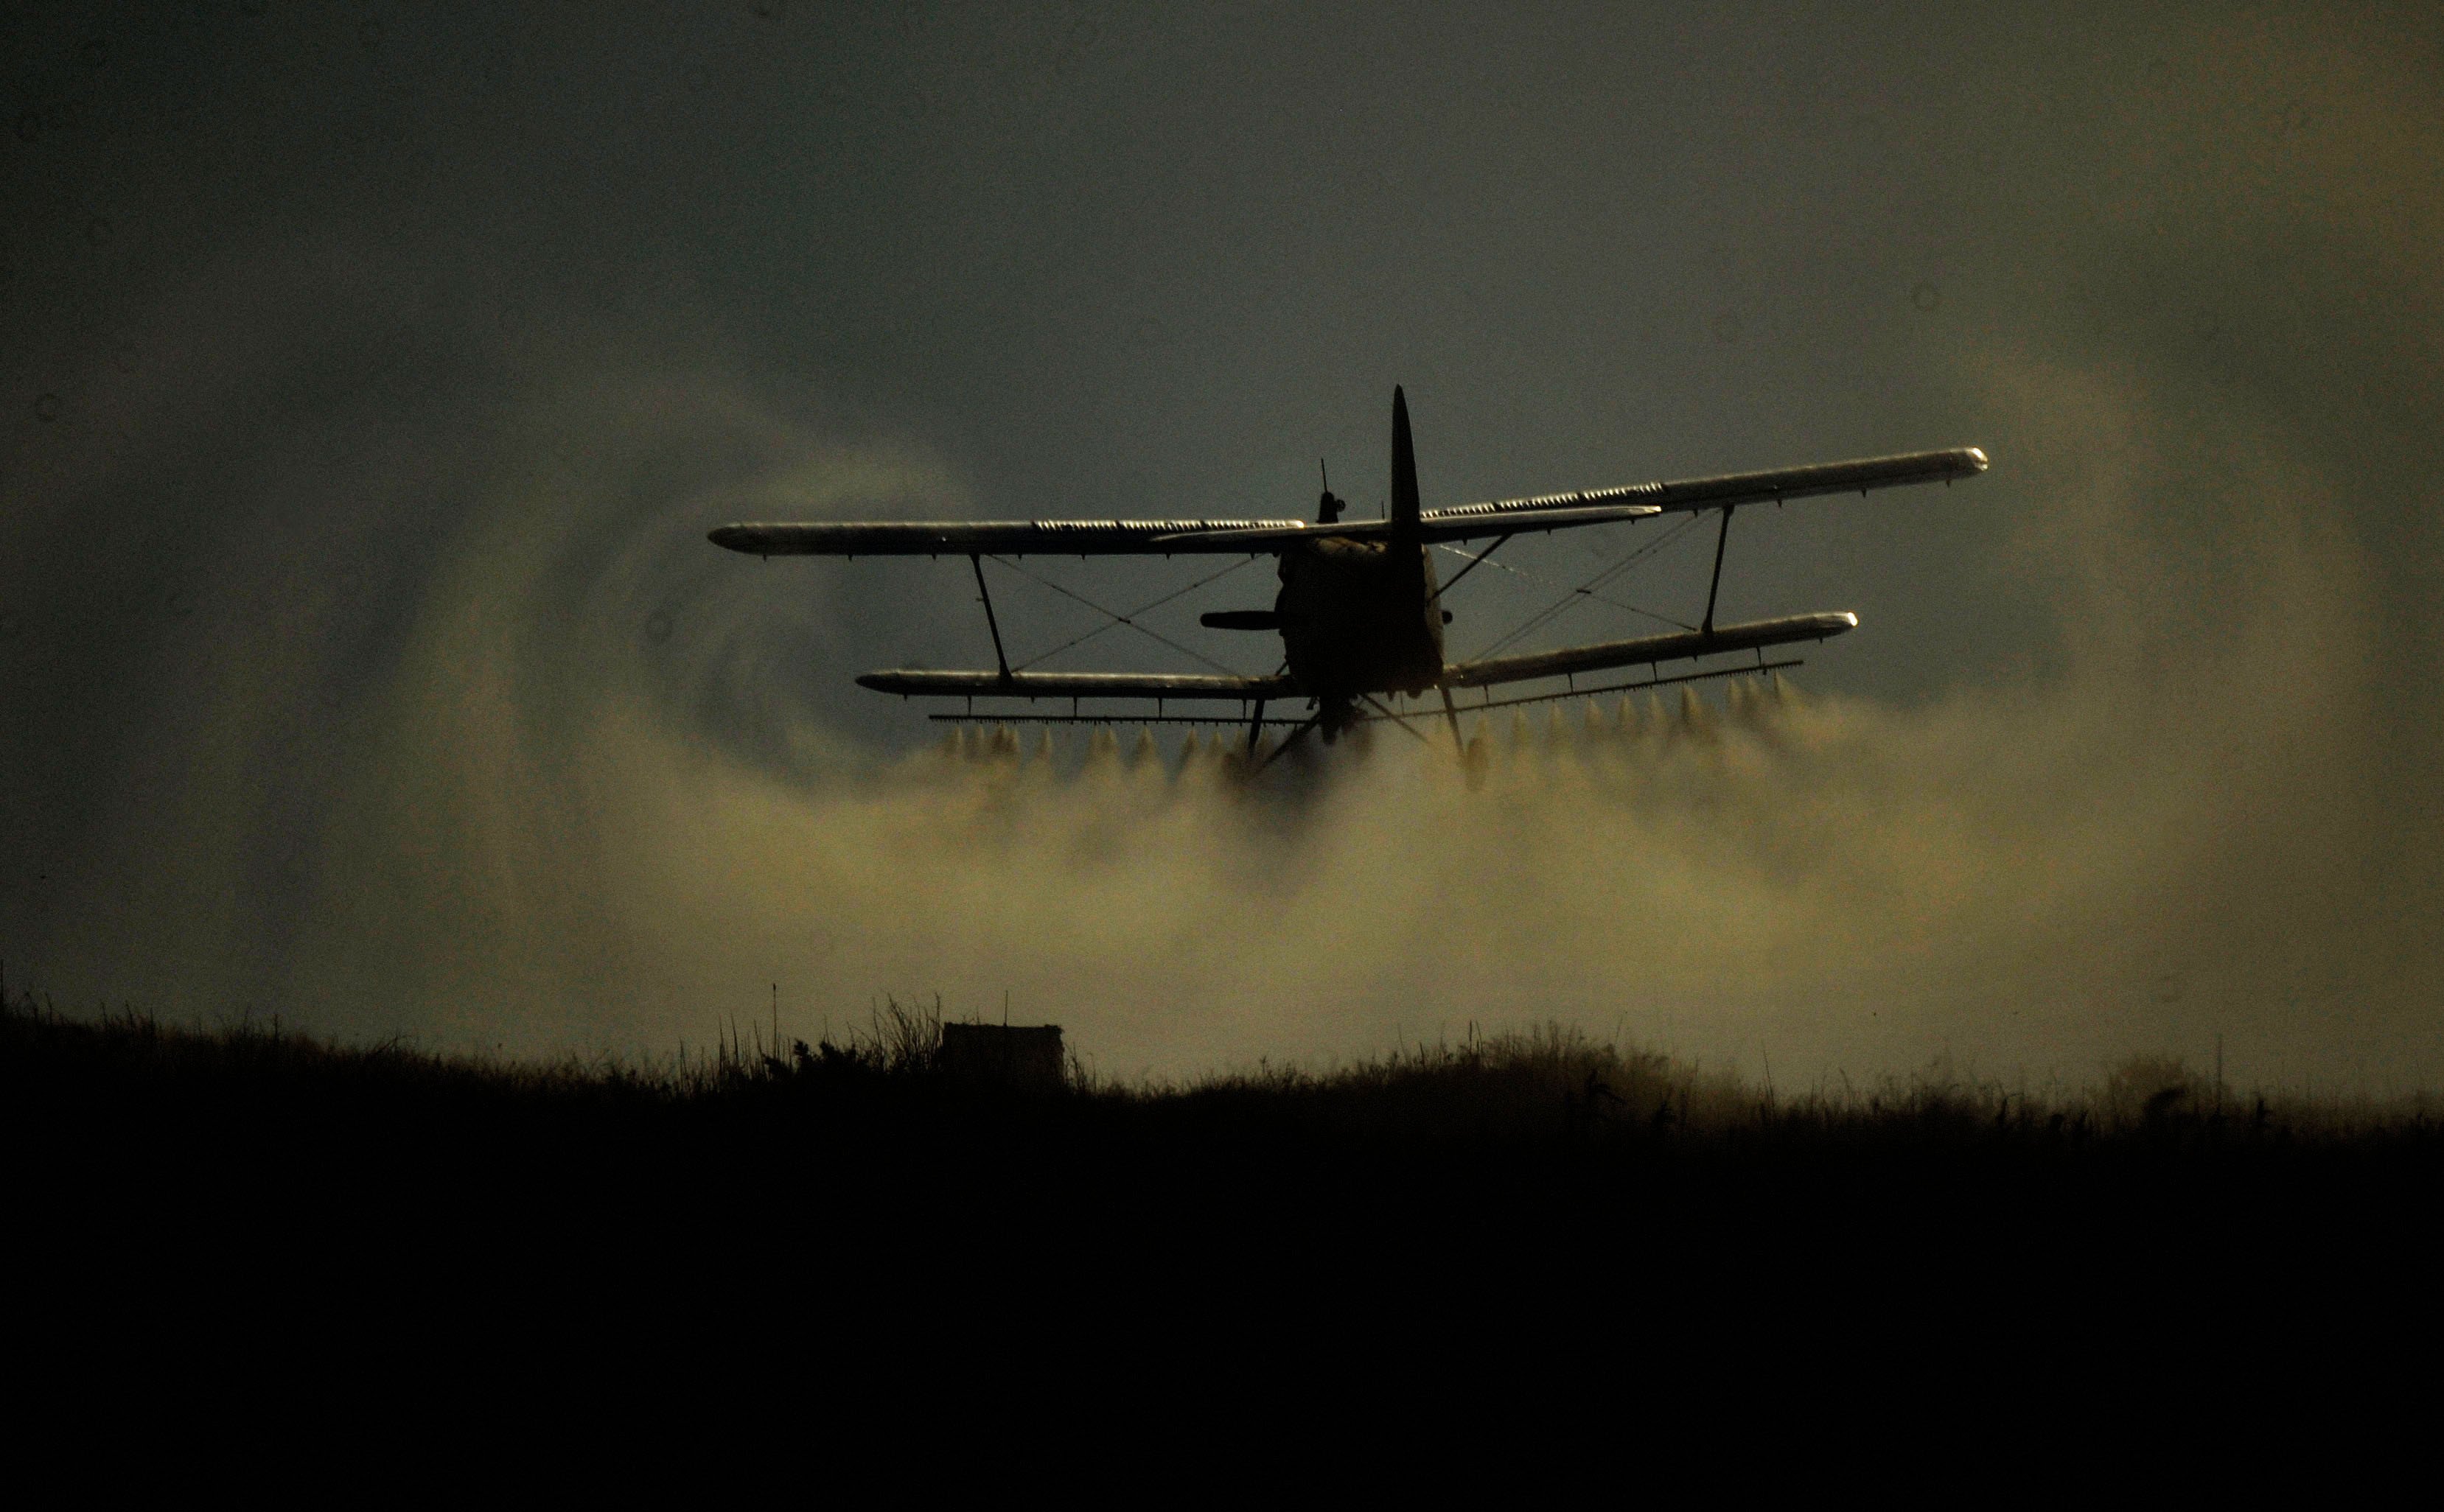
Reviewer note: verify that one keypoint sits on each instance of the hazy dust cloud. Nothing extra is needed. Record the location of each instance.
(585, 805)
(372, 669)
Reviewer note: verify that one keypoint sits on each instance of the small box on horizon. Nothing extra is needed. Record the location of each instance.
(1007, 1054)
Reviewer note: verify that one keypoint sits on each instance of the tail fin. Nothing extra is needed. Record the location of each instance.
(1405, 509)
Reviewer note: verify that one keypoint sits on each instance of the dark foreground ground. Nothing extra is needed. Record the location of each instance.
(855, 1188)
(161, 1126)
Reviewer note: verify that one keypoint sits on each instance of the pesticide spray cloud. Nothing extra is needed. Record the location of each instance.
(592, 798)
(386, 681)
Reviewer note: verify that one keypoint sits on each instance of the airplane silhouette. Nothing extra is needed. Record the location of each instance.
(1360, 611)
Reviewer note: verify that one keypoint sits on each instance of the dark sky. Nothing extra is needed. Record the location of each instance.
(368, 376)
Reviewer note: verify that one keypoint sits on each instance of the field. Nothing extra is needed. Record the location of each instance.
(245, 1219)
(1531, 1148)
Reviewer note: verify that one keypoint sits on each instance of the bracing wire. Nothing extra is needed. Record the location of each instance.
(1586, 590)
(1130, 618)
(1125, 619)
(1538, 578)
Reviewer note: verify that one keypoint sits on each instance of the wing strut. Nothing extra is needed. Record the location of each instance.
(1392, 717)
(985, 597)
(1707, 625)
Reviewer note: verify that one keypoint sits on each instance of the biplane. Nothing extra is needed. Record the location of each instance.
(1360, 611)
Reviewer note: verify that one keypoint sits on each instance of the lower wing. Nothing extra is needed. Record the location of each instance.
(1678, 646)
(912, 682)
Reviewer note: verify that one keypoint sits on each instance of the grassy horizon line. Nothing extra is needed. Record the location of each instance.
(1515, 1081)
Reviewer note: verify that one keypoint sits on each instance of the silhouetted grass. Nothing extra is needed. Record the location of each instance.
(134, 1143)
(1548, 1086)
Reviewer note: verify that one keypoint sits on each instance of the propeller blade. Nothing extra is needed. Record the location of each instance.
(1405, 509)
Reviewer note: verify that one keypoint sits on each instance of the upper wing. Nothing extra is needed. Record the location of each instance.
(1467, 522)
(1742, 487)
(1080, 684)
(1559, 512)
(1679, 645)
(1003, 538)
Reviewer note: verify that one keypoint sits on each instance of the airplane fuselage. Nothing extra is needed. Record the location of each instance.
(1361, 617)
